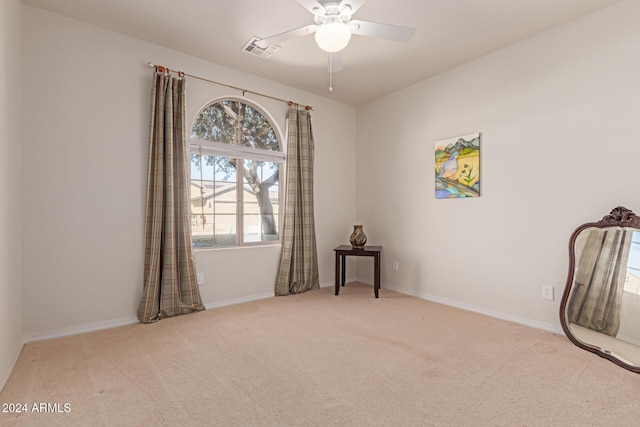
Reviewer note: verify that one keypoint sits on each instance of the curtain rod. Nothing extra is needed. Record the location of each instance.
(163, 69)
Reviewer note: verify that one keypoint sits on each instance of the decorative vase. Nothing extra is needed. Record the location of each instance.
(358, 239)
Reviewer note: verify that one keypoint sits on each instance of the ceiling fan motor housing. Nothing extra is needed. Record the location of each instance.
(334, 14)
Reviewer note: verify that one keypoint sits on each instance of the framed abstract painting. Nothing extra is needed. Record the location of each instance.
(458, 167)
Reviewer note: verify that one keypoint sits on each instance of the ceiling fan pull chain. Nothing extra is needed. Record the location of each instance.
(330, 72)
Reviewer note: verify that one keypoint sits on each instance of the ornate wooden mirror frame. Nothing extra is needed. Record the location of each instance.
(601, 302)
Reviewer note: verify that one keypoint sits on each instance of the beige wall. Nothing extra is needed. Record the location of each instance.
(10, 170)
(558, 115)
(87, 94)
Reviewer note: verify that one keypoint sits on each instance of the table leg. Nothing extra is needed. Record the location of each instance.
(344, 269)
(337, 273)
(376, 274)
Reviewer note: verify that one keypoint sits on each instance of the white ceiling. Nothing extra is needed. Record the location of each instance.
(448, 33)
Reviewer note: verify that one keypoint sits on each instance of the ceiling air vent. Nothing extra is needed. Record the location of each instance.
(254, 50)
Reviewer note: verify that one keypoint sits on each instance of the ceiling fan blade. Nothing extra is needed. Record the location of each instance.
(313, 6)
(352, 4)
(334, 62)
(298, 32)
(382, 31)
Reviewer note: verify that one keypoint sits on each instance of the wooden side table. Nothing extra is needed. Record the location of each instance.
(343, 251)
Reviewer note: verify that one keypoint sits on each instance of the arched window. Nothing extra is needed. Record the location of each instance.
(235, 176)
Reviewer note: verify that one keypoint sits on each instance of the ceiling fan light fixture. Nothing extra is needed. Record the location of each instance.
(333, 36)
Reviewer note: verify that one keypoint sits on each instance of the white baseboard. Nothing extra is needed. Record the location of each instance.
(633, 340)
(92, 327)
(327, 284)
(234, 301)
(346, 280)
(81, 329)
(556, 329)
(124, 321)
(5, 375)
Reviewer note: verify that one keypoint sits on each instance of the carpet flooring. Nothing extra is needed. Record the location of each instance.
(317, 359)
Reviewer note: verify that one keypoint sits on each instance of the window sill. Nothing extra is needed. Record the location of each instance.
(234, 248)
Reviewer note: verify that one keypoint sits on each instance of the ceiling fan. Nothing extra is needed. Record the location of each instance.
(333, 26)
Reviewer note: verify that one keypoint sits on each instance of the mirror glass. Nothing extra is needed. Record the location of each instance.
(600, 308)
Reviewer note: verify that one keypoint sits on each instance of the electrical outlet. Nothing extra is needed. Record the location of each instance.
(200, 277)
(547, 293)
(394, 265)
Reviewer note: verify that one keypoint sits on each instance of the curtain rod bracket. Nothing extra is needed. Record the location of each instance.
(295, 104)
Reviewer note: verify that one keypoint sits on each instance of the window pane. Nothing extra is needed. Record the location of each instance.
(201, 166)
(212, 124)
(258, 132)
(632, 282)
(225, 230)
(202, 230)
(195, 165)
(260, 185)
(213, 209)
(201, 193)
(252, 228)
(201, 189)
(225, 170)
(226, 198)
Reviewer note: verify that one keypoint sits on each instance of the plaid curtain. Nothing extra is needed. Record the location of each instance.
(599, 280)
(170, 285)
(298, 270)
